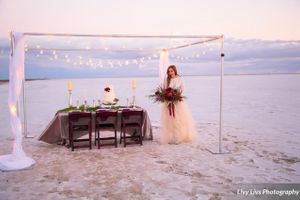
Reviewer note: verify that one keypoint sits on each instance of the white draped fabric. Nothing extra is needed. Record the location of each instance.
(18, 159)
(163, 65)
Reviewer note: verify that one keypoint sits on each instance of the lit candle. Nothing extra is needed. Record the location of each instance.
(70, 87)
(134, 84)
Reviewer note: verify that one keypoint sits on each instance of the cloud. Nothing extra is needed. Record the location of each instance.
(241, 56)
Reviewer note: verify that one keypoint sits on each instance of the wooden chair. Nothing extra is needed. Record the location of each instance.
(106, 120)
(132, 119)
(80, 122)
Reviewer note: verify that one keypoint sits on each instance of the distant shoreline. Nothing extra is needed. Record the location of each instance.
(30, 79)
(248, 74)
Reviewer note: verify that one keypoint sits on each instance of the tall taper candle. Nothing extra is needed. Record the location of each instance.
(133, 84)
(70, 86)
(133, 89)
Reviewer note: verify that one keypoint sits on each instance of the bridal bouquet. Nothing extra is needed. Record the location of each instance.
(168, 95)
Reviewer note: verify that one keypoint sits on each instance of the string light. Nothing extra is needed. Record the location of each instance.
(94, 62)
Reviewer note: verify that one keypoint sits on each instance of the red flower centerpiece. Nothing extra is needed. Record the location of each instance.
(107, 89)
(169, 95)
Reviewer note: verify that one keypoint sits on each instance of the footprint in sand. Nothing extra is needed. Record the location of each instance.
(161, 162)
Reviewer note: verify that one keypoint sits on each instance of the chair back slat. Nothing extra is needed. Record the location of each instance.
(106, 116)
(75, 116)
(132, 115)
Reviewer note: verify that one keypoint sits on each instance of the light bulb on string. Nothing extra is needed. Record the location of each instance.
(119, 63)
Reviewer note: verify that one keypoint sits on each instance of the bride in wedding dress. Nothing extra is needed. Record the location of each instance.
(179, 128)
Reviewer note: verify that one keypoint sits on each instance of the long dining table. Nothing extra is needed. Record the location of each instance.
(57, 131)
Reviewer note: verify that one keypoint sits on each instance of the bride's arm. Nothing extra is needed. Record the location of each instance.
(181, 85)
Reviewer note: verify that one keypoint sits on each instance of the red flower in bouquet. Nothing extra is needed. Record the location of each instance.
(169, 95)
(107, 89)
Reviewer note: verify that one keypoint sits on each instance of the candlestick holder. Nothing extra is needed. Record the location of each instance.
(70, 98)
(77, 104)
(133, 98)
(85, 105)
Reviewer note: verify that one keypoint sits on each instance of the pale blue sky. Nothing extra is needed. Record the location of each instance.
(243, 19)
(261, 36)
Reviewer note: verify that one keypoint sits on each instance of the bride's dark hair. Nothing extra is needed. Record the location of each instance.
(168, 76)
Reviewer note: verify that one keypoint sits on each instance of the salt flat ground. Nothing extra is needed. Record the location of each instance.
(261, 130)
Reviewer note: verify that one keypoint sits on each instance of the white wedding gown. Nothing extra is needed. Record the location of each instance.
(181, 128)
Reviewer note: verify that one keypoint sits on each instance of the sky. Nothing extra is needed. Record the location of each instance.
(261, 36)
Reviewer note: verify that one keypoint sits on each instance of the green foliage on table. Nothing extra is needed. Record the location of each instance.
(82, 109)
(69, 109)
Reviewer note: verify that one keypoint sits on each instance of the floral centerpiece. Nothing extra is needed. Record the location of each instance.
(109, 96)
(169, 95)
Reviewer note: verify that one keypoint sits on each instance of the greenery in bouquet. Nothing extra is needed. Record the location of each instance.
(168, 95)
